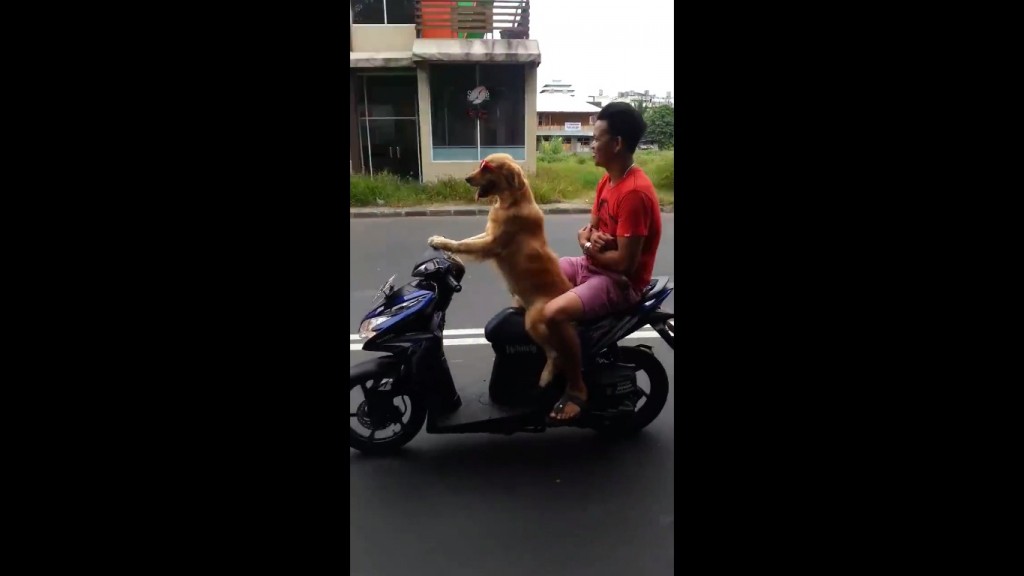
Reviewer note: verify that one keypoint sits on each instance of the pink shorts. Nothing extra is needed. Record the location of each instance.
(601, 292)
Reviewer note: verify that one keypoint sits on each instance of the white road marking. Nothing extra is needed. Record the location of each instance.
(456, 332)
(480, 341)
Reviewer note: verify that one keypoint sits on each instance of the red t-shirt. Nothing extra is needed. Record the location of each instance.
(630, 208)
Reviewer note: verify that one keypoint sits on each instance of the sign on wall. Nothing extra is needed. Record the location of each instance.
(573, 126)
(478, 95)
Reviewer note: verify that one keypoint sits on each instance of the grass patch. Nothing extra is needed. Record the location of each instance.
(560, 177)
(390, 190)
(573, 177)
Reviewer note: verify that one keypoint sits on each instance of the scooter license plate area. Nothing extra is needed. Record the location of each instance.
(618, 381)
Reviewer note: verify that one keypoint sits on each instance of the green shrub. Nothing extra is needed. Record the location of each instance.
(449, 189)
(660, 168)
(553, 147)
(383, 187)
(560, 177)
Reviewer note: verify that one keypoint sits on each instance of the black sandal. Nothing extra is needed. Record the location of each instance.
(561, 406)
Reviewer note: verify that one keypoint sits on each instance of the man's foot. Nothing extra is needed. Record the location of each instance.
(568, 410)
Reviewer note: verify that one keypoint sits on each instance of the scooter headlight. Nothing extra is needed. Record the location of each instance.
(367, 328)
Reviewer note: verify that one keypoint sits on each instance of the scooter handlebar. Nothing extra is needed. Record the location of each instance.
(455, 286)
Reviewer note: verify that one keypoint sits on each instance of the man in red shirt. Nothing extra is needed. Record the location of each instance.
(619, 246)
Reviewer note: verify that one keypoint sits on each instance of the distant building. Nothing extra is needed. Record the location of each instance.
(597, 100)
(568, 117)
(560, 113)
(632, 96)
(557, 87)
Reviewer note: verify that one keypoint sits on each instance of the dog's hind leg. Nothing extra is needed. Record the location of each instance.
(537, 328)
(548, 373)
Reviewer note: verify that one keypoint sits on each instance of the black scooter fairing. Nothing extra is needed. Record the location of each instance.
(419, 362)
(505, 408)
(479, 413)
(518, 360)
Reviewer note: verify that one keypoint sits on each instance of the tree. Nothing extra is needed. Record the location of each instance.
(661, 126)
(641, 107)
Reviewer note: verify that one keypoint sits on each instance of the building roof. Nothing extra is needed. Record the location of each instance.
(556, 87)
(451, 50)
(380, 59)
(555, 102)
(475, 50)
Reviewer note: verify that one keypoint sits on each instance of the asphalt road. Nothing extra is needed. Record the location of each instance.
(563, 502)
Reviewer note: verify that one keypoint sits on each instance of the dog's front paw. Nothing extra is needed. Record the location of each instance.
(439, 242)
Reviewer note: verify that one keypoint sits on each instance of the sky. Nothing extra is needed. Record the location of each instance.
(611, 44)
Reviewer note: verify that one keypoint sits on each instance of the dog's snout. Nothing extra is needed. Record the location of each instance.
(469, 179)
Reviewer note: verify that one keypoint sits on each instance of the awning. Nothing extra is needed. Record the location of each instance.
(380, 59)
(472, 50)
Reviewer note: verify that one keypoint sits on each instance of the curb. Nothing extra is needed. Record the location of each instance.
(464, 211)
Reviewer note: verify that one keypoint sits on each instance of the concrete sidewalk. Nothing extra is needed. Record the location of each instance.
(465, 210)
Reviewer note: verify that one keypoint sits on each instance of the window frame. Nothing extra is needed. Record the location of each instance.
(385, 22)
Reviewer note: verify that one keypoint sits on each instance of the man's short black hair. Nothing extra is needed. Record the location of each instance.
(624, 120)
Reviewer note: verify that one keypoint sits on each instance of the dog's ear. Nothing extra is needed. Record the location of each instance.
(514, 176)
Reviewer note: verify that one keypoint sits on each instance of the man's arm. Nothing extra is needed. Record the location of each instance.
(632, 230)
(622, 259)
(585, 233)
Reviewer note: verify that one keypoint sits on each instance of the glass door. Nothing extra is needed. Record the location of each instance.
(393, 147)
(388, 125)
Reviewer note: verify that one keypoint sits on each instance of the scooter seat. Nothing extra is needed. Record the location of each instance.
(507, 326)
(658, 285)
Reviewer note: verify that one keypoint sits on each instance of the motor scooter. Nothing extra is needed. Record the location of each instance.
(392, 396)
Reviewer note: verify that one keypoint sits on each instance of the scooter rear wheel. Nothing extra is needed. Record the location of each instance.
(375, 407)
(654, 399)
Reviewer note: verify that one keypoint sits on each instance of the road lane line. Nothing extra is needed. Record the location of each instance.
(455, 332)
(482, 341)
(458, 332)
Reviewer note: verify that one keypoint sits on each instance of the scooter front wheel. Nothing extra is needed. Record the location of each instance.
(381, 418)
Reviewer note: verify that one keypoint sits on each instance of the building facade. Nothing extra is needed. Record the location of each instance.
(437, 85)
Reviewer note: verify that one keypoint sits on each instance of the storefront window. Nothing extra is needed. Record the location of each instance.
(477, 110)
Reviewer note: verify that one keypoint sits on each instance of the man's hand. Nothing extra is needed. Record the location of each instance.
(583, 235)
(602, 241)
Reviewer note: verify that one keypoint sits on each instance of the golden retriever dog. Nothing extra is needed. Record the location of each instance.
(514, 239)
